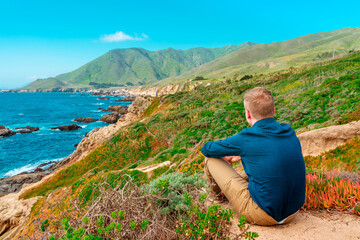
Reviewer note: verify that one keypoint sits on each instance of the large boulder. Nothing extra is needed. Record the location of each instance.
(321, 140)
(104, 98)
(111, 117)
(85, 120)
(67, 127)
(2, 127)
(5, 132)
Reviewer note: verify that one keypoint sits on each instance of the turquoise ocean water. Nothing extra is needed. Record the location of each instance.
(24, 152)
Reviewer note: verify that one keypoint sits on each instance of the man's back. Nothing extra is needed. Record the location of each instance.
(272, 159)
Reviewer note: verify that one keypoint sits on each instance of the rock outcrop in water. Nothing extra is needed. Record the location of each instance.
(67, 127)
(27, 129)
(5, 132)
(85, 120)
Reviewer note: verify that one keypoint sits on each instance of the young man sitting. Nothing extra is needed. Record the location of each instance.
(272, 188)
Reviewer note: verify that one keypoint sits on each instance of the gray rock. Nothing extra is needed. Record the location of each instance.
(111, 117)
(119, 109)
(67, 127)
(27, 129)
(6, 132)
(92, 131)
(126, 99)
(85, 120)
(14, 184)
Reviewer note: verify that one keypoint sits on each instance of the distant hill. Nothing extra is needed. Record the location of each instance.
(45, 84)
(137, 66)
(279, 55)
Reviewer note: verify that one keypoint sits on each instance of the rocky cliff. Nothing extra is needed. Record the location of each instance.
(14, 211)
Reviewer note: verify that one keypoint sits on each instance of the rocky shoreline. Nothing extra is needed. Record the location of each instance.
(91, 140)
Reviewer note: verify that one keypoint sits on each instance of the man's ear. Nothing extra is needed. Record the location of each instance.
(248, 115)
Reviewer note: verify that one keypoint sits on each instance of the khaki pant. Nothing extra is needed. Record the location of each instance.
(223, 178)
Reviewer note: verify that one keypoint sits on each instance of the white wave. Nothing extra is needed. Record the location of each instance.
(20, 114)
(96, 111)
(26, 168)
(83, 126)
(98, 103)
(30, 167)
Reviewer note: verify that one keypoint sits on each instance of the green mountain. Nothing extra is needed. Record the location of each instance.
(279, 55)
(138, 66)
(45, 84)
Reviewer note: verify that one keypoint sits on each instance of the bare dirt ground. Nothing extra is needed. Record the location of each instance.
(319, 225)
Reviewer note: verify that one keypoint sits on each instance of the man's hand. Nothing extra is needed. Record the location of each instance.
(232, 159)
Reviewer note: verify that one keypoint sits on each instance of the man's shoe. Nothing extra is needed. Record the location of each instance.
(216, 198)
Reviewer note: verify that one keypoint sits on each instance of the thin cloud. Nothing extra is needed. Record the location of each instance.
(121, 36)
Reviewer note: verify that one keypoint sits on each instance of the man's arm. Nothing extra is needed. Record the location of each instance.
(232, 159)
(222, 148)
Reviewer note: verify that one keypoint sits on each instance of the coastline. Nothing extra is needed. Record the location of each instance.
(140, 101)
(94, 138)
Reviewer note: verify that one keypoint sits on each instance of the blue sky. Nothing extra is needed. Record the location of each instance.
(45, 38)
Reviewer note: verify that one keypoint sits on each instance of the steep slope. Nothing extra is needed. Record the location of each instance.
(174, 128)
(279, 55)
(138, 66)
(45, 84)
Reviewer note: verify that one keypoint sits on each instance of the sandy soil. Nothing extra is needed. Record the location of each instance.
(319, 225)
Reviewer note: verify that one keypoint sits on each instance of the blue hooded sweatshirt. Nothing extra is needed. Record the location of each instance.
(272, 158)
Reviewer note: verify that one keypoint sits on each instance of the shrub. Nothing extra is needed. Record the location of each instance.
(171, 189)
(126, 212)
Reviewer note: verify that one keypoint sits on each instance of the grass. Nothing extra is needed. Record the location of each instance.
(175, 127)
(343, 158)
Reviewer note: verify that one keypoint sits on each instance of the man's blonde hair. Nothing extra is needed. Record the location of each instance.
(260, 103)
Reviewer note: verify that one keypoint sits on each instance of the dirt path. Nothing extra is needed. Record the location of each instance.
(319, 225)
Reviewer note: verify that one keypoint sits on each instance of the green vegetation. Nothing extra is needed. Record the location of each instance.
(136, 214)
(271, 57)
(174, 128)
(45, 84)
(173, 190)
(137, 66)
(344, 158)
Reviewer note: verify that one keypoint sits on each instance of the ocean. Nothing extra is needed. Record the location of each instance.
(24, 152)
